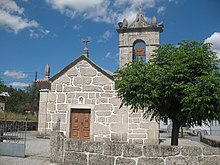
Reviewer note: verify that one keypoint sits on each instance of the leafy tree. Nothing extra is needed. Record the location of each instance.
(22, 100)
(17, 99)
(32, 98)
(179, 82)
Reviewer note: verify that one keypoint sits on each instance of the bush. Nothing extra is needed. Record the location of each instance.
(8, 116)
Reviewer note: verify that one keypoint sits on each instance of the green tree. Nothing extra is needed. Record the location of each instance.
(17, 99)
(179, 82)
(32, 101)
(22, 100)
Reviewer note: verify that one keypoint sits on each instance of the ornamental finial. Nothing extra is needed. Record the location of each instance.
(86, 50)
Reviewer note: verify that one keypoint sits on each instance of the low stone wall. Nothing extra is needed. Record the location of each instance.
(211, 140)
(68, 151)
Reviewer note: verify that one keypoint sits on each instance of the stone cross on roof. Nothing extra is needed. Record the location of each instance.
(140, 6)
(86, 50)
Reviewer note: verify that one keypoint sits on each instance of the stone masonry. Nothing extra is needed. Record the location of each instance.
(68, 151)
(139, 31)
(127, 40)
(83, 86)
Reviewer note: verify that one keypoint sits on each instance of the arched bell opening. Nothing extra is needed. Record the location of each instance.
(139, 51)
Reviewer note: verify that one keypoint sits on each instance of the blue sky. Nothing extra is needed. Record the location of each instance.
(34, 33)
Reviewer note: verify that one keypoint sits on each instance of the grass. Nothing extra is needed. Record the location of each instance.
(10, 116)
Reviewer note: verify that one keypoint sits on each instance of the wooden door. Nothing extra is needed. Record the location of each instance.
(80, 124)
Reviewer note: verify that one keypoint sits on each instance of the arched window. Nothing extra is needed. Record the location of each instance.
(139, 51)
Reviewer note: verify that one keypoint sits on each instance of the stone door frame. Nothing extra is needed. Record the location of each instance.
(79, 124)
(82, 107)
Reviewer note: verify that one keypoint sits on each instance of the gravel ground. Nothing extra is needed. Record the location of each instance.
(165, 139)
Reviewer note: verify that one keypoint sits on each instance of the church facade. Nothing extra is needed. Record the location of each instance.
(81, 100)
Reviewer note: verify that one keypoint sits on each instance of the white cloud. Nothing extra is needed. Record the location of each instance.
(19, 84)
(106, 36)
(136, 3)
(81, 5)
(161, 9)
(130, 14)
(215, 40)
(10, 6)
(108, 55)
(175, 1)
(15, 74)
(132, 7)
(12, 17)
(97, 10)
(120, 2)
(38, 33)
(76, 27)
(101, 10)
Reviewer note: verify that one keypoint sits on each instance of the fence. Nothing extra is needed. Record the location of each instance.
(13, 138)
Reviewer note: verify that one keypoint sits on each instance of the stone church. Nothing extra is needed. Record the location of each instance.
(81, 100)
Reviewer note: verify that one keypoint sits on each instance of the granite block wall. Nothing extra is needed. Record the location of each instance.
(67, 151)
(126, 41)
(83, 86)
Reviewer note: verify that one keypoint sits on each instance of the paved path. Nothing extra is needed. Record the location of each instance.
(37, 152)
(185, 141)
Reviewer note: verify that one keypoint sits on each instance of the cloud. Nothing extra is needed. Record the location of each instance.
(175, 1)
(102, 10)
(15, 74)
(81, 5)
(130, 14)
(136, 3)
(12, 17)
(106, 36)
(130, 8)
(215, 40)
(10, 6)
(108, 55)
(161, 9)
(97, 10)
(19, 84)
(76, 27)
(38, 33)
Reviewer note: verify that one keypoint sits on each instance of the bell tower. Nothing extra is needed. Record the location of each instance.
(139, 39)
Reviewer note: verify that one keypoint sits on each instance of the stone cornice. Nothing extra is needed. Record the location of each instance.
(141, 29)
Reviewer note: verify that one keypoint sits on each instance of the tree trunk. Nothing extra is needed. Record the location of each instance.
(175, 132)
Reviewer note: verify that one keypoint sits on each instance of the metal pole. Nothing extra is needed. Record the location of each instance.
(25, 133)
